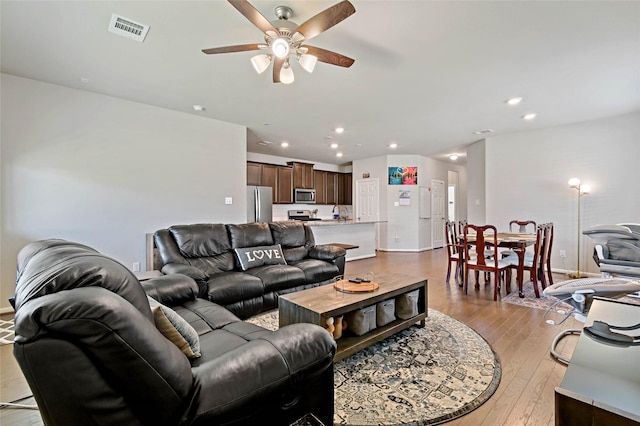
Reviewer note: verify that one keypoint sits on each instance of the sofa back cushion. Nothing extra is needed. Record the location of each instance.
(205, 246)
(250, 257)
(250, 235)
(295, 237)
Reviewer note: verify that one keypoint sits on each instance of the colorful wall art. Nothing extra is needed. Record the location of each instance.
(403, 175)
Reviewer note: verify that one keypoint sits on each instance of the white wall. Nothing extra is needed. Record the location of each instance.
(476, 184)
(527, 174)
(105, 171)
(403, 222)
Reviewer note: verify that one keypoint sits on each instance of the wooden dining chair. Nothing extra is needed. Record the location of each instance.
(532, 260)
(545, 264)
(523, 226)
(454, 251)
(485, 240)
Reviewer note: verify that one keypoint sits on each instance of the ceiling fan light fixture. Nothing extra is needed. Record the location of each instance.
(308, 62)
(286, 75)
(280, 48)
(261, 63)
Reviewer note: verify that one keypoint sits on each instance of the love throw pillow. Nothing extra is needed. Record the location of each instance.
(250, 257)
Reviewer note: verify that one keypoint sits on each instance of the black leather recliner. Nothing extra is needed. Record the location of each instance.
(89, 348)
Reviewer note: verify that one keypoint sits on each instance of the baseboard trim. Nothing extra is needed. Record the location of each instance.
(6, 310)
(405, 250)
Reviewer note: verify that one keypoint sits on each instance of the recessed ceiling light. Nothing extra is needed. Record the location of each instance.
(453, 157)
(84, 80)
(328, 137)
(393, 145)
(338, 154)
(530, 116)
(358, 145)
(334, 145)
(480, 132)
(198, 108)
(339, 129)
(284, 144)
(514, 101)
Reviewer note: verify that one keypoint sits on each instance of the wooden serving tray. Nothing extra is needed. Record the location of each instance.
(346, 286)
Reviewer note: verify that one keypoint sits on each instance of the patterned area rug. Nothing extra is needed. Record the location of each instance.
(531, 301)
(419, 376)
(6, 332)
(544, 302)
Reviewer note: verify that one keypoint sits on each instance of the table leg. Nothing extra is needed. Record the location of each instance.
(520, 252)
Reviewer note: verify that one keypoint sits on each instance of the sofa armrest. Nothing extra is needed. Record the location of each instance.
(327, 252)
(171, 290)
(264, 373)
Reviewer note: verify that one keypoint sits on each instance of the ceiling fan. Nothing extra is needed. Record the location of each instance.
(284, 39)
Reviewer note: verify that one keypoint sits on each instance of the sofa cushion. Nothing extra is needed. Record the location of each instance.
(317, 270)
(276, 277)
(251, 257)
(289, 234)
(176, 329)
(201, 240)
(230, 287)
(249, 234)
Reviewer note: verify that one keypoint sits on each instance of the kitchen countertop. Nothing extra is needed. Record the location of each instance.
(335, 222)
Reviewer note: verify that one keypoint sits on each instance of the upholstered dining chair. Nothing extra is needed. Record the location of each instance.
(532, 260)
(454, 251)
(485, 240)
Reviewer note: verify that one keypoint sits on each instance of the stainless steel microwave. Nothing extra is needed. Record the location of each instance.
(304, 196)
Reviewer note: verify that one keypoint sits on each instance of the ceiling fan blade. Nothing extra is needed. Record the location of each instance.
(329, 57)
(236, 48)
(325, 19)
(252, 14)
(277, 66)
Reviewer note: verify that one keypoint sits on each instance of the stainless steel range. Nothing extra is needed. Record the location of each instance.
(301, 215)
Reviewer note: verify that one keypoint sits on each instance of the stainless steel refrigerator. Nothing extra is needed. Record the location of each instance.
(259, 204)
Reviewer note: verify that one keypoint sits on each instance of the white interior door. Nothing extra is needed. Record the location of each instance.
(437, 213)
(368, 200)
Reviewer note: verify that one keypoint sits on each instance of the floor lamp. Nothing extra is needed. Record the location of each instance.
(582, 190)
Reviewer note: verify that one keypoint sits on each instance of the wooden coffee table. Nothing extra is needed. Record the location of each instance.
(316, 305)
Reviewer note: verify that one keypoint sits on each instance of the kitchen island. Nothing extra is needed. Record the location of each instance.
(357, 233)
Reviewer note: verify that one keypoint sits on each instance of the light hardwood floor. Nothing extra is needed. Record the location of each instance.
(519, 336)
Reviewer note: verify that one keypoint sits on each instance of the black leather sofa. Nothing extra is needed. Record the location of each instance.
(89, 346)
(211, 254)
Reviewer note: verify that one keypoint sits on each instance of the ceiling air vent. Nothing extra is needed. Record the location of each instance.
(125, 27)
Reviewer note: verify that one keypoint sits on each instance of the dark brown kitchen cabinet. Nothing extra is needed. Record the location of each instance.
(302, 175)
(332, 188)
(320, 185)
(344, 188)
(279, 178)
(285, 185)
(254, 173)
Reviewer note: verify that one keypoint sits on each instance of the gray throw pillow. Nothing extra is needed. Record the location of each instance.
(175, 328)
(250, 257)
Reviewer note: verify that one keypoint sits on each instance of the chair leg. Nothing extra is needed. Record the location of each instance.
(549, 275)
(496, 285)
(534, 280)
(449, 271)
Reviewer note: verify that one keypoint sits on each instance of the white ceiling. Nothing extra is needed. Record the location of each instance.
(427, 74)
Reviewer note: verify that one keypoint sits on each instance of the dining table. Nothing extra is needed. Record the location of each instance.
(518, 242)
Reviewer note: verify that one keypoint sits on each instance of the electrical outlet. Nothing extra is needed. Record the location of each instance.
(136, 266)
(563, 254)
(396, 239)
(228, 200)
